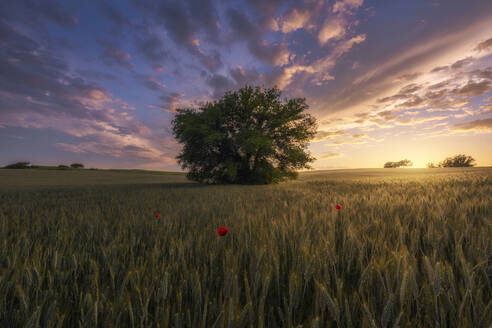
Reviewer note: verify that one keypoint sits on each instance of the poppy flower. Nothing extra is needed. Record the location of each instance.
(157, 215)
(222, 231)
(338, 207)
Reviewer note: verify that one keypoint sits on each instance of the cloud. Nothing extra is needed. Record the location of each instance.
(325, 135)
(439, 69)
(388, 115)
(152, 48)
(485, 45)
(275, 54)
(419, 120)
(182, 27)
(220, 84)
(328, 155)
(485, 109)
(178, 24)
(477, 125)
(171, 101)
(96, 75)
(56, 13)
(346, 5)
(205, 16)
(114, 15)
(318, 73)
(152, 83)
(38, 91)
(462, 62)
(294, 20)
(243, 76)
(333, 28)
(472, 89)
(112, 54)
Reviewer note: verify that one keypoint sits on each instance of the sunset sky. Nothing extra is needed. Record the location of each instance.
(98, 82)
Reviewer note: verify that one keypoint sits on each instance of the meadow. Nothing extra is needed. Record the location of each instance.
(409, 248)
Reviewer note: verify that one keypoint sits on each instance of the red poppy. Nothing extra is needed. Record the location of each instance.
(338, 207)
(157, 215)
(222, 231)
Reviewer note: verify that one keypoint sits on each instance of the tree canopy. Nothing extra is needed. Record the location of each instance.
(249, 136)
(403, 162)
(458, 161)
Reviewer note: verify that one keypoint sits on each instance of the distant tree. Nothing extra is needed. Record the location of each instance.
(431, 165)
(248, 136)
(18, 165)
(63, 167)
(404, 162)
(458, 161)
(77, 166)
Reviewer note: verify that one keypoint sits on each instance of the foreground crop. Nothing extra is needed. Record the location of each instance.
(407, 251)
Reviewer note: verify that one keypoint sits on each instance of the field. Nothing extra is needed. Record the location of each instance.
(409, 248)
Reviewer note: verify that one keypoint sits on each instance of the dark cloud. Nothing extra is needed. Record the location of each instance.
(152, 48)
(243, 76)
(113, 54)
(439, 85)
(436, 94)
(114, 15)
(472, 89)
(485, 124)
(34, 12)
(38, 90)
(481, 73)
(181, 27)
(461, 63)
(238, 77)
(388, 115)
(241, 26)
(439, 69)
(275, 54)
(413, 101)
(325, 135)
(56, 13)
(96, 75)
(171, 101)
(178, 24)
(151, 83)
(205, 17)
(485, 45)
(410, 88)
(327, 155)
(220, 84)
(134, 148)
(408, 77)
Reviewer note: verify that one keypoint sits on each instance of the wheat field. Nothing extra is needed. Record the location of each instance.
(409, 248)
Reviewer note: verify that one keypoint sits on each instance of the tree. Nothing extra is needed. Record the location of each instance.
(431, 165)
(458, 161)
(249, 136)
(62, 167)
(403, 162)
(18, 165)
(77, 166)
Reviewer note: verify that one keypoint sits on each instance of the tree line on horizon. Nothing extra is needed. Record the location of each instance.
(25, 165)
(460, 160)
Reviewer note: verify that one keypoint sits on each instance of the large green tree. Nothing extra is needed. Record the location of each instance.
(249, 136)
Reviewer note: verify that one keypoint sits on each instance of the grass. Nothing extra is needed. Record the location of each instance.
(410, 248)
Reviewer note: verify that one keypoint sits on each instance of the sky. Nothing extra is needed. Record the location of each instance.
(99, 82)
